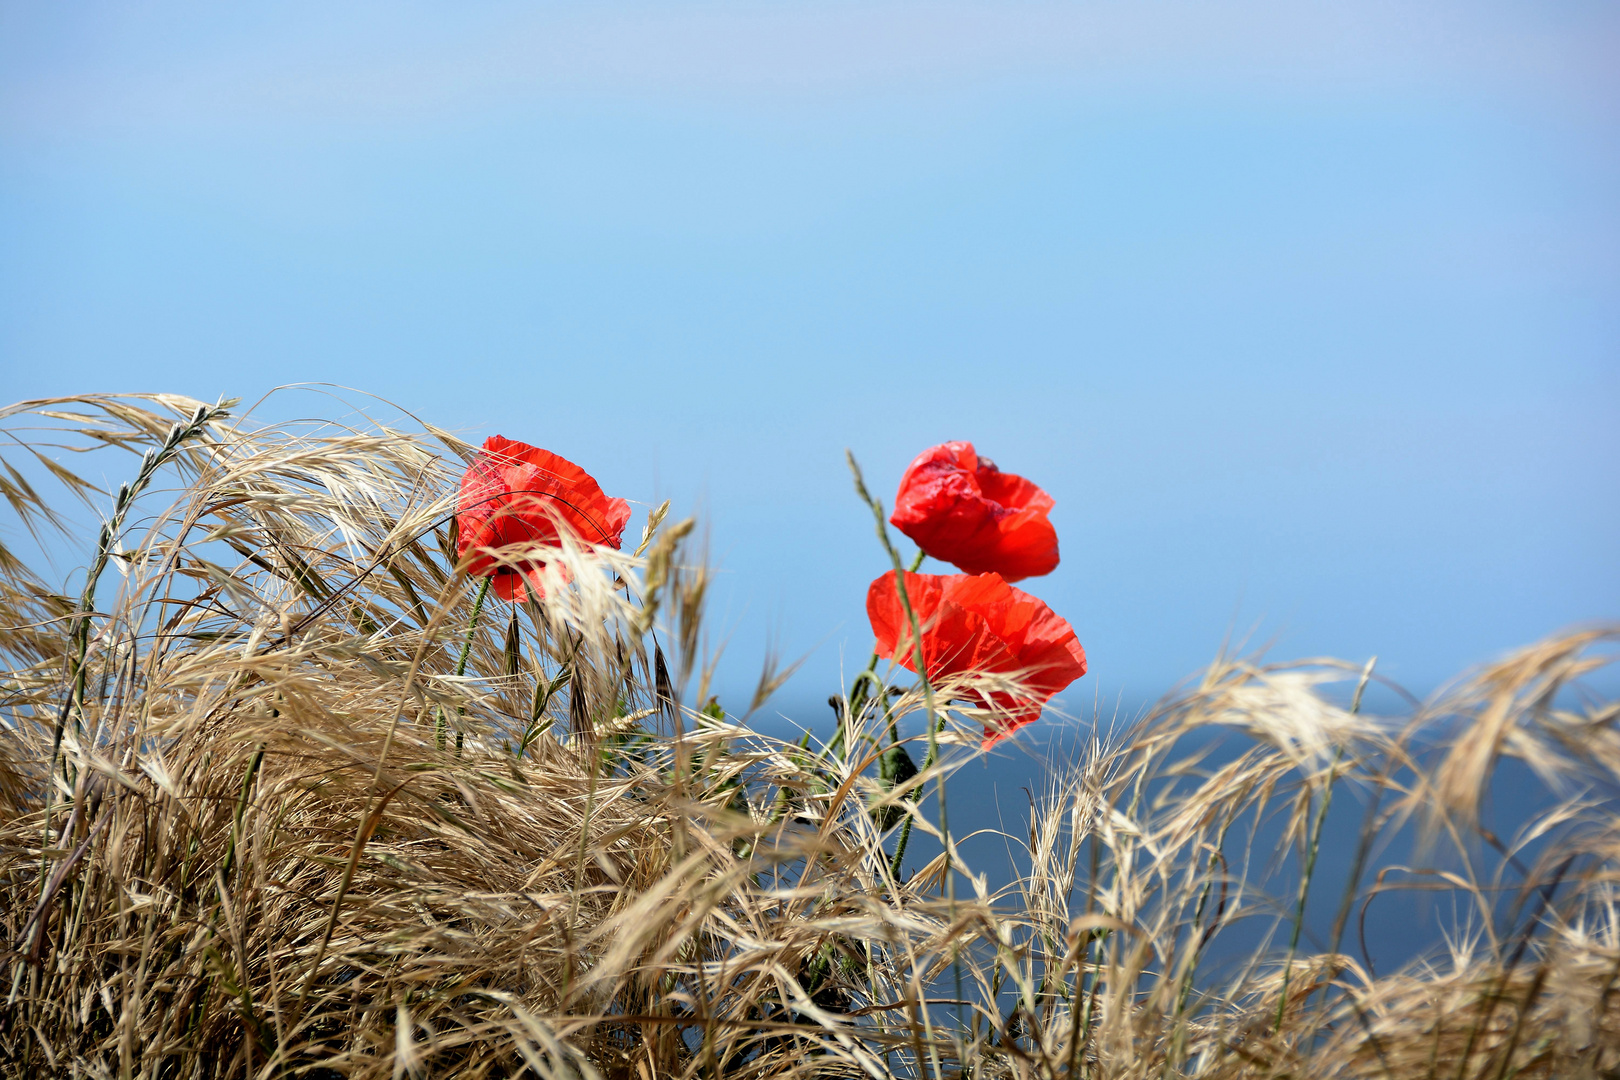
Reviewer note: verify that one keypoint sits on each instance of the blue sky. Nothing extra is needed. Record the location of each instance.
(1306, 315)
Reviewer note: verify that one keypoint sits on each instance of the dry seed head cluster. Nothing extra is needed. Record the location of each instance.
(232, 845)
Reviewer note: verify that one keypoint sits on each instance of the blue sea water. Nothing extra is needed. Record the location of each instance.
(1403, 912)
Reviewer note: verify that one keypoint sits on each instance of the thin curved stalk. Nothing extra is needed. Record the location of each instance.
(461, 664)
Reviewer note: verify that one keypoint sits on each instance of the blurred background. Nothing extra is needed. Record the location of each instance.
(1305, 314)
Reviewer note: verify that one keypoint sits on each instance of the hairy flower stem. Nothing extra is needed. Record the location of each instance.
(859, 696)
(920, 660)
(861, 692)
(905, 827)
(461, 664)
(849, 714)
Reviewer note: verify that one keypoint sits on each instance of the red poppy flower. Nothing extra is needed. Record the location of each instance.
(514, 493)
(960, 508)
(977, 622)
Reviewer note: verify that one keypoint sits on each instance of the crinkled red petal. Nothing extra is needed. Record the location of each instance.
(979, 623)
(960, 508)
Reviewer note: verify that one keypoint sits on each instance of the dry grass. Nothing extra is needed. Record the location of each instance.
(252, 824)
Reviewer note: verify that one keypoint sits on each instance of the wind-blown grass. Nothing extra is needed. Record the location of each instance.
(232, 845)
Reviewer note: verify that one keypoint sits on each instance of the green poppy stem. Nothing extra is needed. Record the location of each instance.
(860, 692)
(921, 664)
(905, 826)
(461, 664)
